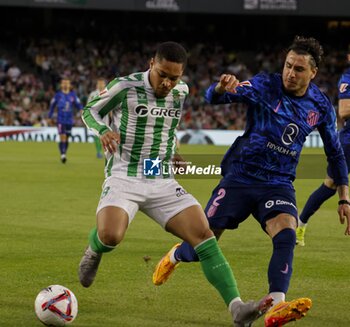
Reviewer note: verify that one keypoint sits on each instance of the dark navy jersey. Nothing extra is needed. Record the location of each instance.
(344, 93)
(277, 126)
(65, 103)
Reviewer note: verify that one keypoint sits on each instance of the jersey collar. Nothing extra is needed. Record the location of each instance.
(146, 79)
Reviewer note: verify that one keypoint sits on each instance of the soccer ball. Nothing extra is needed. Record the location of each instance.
(56, 305)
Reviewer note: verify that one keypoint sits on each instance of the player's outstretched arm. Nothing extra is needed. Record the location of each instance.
(227, 83)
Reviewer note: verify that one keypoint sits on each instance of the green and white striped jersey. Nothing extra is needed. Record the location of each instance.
(107, 118)
(92, 95)
(147, 126)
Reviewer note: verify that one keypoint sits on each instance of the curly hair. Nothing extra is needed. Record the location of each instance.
(172, 51)
(308, 46)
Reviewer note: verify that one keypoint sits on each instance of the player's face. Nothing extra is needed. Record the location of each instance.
(297, 73)
(65, 85)
(164, 75)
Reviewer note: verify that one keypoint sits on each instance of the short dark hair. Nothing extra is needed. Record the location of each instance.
(310, 46)
(172, 51)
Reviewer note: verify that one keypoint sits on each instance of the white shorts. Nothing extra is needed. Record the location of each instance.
(160, 199)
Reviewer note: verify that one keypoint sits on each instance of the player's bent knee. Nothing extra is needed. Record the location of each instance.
(279, 223)
(199, 236)
(329, 182)
(208, 233)
(110, 238)
(112, 223)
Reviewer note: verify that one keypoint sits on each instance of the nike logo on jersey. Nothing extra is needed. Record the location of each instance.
(278, 106)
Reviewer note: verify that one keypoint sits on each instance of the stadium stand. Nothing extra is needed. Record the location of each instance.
(57, 46)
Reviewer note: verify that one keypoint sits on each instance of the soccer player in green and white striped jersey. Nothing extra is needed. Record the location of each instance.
(151, 103)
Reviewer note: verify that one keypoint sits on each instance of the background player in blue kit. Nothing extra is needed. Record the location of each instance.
(64, 100)
(259, 168)
(328, 187)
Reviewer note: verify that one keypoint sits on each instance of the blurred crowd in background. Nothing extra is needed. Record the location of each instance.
(29, 80)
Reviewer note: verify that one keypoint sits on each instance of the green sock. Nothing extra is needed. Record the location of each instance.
(96, 243)
(217, 270)
(98, 144)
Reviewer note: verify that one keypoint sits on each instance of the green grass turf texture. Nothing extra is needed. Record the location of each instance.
(47, 210)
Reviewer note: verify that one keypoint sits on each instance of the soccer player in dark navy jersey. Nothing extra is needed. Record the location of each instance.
(259, 168)
(329, 186)
(65, 101)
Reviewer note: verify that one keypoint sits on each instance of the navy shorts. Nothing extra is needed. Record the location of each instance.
(229, 206)
(65, 129)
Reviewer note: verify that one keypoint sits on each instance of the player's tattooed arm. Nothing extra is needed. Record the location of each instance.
(344, 108)
(344, 207)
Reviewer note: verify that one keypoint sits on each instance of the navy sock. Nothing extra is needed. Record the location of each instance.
(186, 253)
(280, 267)
(64, 147)
(314, 202)
(61, 147)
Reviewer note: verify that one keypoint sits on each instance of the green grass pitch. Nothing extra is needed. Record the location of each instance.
(48, 208)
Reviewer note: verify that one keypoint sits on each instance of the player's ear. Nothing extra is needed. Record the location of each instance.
(151, 63)
(314, 72)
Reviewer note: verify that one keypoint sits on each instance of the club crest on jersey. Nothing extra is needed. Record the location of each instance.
(177, 100)
(312, 117)
(143, 110)
(176, 97)
(343, 87)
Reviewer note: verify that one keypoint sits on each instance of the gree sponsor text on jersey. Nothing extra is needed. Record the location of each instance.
(143, 110)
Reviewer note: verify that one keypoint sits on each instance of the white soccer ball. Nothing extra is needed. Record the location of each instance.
(56, 305)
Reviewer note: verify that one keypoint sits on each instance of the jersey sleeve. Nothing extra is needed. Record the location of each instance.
(344, 87)
(77, 102)
(53, 104)
(332, 147)
(100, 106)
(249, 91)
(91, 96)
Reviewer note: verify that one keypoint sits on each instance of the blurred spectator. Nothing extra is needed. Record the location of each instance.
(25, 96)
(13, 73)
